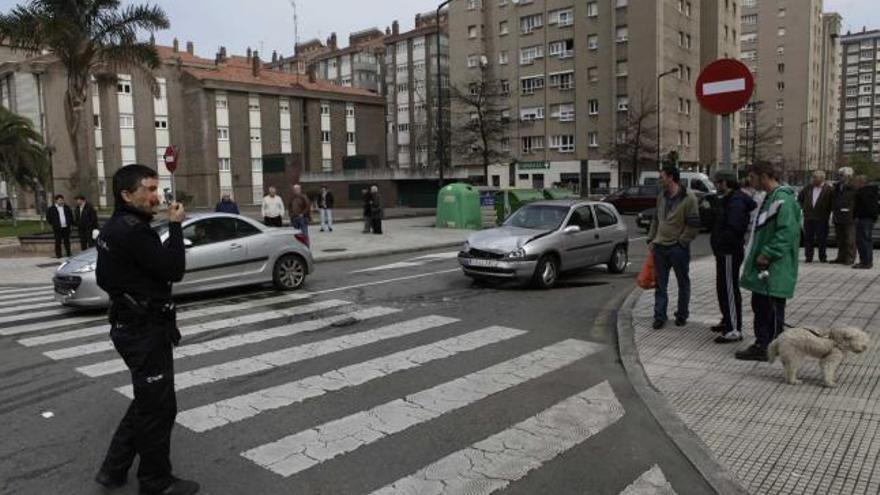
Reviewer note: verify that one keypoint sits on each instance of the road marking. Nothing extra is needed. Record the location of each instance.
(721, 87)
(300, 451)
(391, 266)
(439, 256)
(106, 345)
(651, 482)
(117, 365)
(29, 306)
(386, 281)
(51, 325)
(181, 316)
(35, 315)
(24, 300)
(493, 463)
(634, 239)
(6, 292)
(245, 406)
(412, 262)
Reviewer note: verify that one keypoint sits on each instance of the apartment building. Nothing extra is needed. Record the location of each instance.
(860, 112)
(230, 119)
(299, 62)
(782, 42)
(719, 38)
(830, 91)
(411, 96)
(576, 73)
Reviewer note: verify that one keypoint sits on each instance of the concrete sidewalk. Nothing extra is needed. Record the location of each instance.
(345, 242)
(773, 437)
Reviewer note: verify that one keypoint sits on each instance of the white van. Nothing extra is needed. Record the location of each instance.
(695, 181)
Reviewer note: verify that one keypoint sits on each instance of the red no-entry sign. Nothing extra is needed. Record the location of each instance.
(171, 159)
(725, 86)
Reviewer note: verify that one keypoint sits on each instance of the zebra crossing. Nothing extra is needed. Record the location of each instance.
(300, 327)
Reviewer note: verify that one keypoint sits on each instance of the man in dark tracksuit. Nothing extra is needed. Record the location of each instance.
(728, 244)
(136, 270)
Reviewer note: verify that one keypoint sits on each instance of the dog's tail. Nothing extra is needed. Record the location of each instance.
(772, 351)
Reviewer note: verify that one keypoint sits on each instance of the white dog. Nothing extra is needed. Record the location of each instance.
(794, 344)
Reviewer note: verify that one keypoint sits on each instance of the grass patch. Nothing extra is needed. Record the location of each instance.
(24, 227)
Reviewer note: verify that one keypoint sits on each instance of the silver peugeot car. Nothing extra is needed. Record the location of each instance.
(541, 240)
(222, 251)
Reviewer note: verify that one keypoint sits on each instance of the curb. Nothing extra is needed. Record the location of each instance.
(689, 443)
(385, 252)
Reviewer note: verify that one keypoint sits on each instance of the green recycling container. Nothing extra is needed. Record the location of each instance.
(458, 207)
(559, 193)
(510, 200)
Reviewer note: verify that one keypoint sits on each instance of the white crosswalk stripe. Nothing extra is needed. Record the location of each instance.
(19, 290)
(52, 324)
(283, 357)
(117, 365)
(651, 482)
(183, 315)
(242, 407)
(308, 448)
(28, 306)
(36, 314)
(495, 462)
(24, 301)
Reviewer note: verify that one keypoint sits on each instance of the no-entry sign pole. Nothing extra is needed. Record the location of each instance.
(725, 86)
(171, 164)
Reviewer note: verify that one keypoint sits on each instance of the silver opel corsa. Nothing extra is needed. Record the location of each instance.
(222, 251)
(541, 240)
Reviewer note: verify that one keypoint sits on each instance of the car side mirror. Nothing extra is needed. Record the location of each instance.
(187, 243)
(571, 229)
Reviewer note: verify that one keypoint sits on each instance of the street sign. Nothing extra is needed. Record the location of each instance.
(171, 159)
(724, 86)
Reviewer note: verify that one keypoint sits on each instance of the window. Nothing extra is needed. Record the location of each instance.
(161, 123)
(748, 38)
(224, 165)
(254, 103)
(780, 85)
(531, 113)
(473, 61)
(592, 9)
(530, 84)
(325, 108)
(474, 4)
(405, 127)
(780, 68)
(583, 218)
(621, 3)
(528, 54)
(530, 23)
(349, 137)
(327, 164)
(605, 216)
(505, 144)
(222, 134)
(532, 143)
(349, 110)
(593, 42)
(593, 138)
(593, 107)
(502, 57)
(593, 74)
(687, 9)
(505, 87)
(96, 120)
(255, 134)
(781, 12)
(284, 106)
(210, 230)
(622, 34)
(472, 32)
(563, 143)
(123, 87)
(325, 136)
(562, 80)
(750, 19)
(622, 103)
(564, 112)
(245, 229)
(781, 32)
(687, 138)
(503, 28)
(221, 102)
(564, 17)
(622, 68)
(780, 50)
(126, 121)
(562, 49)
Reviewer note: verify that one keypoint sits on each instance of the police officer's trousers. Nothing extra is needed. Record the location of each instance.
(145, 429)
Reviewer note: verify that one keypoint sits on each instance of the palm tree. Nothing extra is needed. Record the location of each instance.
(89, 37)
(23, 158)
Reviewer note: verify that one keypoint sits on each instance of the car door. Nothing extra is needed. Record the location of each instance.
(214, 254)
(610, 232)
(626, 199)
(647, 197)
(580, 247)
(258, 248)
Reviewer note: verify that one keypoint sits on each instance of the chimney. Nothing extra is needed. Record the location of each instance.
(332, 41)
(387, 31)
(249, 54)
(256, 64)
(190, 48)
(274, 56)
(395, 28)
(152, 40)
(418, 19)
(175, 46)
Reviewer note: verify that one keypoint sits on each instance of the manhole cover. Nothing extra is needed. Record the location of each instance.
(334, 250)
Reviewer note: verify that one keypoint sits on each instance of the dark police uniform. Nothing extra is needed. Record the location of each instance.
(136, 270)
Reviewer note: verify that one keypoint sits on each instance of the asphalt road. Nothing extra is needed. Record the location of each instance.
(394, 374)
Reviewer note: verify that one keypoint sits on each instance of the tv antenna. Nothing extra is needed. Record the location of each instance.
(295, 23)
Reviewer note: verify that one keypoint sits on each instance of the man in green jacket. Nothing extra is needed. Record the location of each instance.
(676, 223)
(771, 265)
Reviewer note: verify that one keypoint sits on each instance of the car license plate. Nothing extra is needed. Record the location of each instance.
(481, 263)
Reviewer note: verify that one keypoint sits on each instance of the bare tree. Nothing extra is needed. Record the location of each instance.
(481, 122)
(635, 141)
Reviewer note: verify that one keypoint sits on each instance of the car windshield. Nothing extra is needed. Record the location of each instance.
(538, 217)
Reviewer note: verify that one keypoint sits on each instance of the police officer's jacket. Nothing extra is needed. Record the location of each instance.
(132, 259)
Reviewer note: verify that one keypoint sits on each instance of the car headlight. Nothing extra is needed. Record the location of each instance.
(519, 253)
(87, 268)
(705, 204)
(465, 247)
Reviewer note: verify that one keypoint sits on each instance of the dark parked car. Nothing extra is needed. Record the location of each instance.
(634, 199)
(706, 201)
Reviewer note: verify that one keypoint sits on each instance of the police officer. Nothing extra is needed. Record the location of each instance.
(136, 270)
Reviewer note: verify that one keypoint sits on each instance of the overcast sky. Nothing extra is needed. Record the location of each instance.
(238, 24)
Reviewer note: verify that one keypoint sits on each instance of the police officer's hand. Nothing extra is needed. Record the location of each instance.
(762, 262)
(176, 213)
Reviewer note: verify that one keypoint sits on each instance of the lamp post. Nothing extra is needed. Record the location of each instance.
(802, 146)
(439, 117)
(659, 134)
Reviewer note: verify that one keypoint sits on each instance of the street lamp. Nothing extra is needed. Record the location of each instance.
(659, 135)
(802, 146)
(439, 118)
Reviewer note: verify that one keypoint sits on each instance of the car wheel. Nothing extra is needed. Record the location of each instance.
(546, 272)
(618, 261)
(289, 272)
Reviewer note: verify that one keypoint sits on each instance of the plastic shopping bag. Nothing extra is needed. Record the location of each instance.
(646, 279)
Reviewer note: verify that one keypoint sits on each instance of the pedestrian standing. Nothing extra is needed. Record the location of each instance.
(60, 217)
(325, 207)
(368, 222)
(771, 264)
(816, 202)
(728, 241)
(137, 269)
(300, 211)
(86, 220)
(865, 216)
(272, 209)
(227, 205)
(376, 210)
(675, 225)
(844, 224)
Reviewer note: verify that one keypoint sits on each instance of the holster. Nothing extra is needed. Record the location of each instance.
(131, 311)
